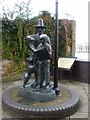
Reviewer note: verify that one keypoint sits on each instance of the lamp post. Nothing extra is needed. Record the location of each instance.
(56, 53)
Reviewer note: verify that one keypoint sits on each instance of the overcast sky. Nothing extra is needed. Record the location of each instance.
(72, 7)
(77, 10)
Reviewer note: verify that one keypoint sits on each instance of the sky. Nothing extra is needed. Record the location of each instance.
(77, 10)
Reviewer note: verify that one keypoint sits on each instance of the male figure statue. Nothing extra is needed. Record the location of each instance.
(45, 62)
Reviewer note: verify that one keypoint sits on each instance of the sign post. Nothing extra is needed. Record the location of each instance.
(56, 53)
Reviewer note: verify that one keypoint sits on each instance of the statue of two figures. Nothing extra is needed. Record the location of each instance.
(39, 61)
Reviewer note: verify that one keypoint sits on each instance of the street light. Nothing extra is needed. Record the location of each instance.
(56, 53)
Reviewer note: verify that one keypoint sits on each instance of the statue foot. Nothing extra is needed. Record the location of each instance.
(23, 86)
(47, 86)
(38, 86)
(34, 84)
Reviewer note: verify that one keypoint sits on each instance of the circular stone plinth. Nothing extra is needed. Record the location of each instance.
(63, 106)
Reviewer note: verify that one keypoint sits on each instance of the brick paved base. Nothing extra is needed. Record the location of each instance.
(63, 106)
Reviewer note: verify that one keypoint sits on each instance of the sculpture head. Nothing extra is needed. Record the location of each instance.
(40, 26)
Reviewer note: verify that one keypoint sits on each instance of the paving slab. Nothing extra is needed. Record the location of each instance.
(79, 115)
(80, 88)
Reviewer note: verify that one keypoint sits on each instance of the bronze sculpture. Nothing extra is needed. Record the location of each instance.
(39, 61)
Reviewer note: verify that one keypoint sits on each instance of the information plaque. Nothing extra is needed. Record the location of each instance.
(66, 63)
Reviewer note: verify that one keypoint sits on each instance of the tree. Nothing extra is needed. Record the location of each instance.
(22, 10)
(13, 30)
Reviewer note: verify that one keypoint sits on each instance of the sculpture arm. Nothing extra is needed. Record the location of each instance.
(46, 38)
(49, 49)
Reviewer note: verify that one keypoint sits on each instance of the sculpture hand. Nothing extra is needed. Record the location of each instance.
(30, 38)
(43, 36)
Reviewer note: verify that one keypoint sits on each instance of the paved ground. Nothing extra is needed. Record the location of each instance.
(80, 88)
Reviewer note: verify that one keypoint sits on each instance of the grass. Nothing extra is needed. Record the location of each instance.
(15, 77)
(14, 71)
